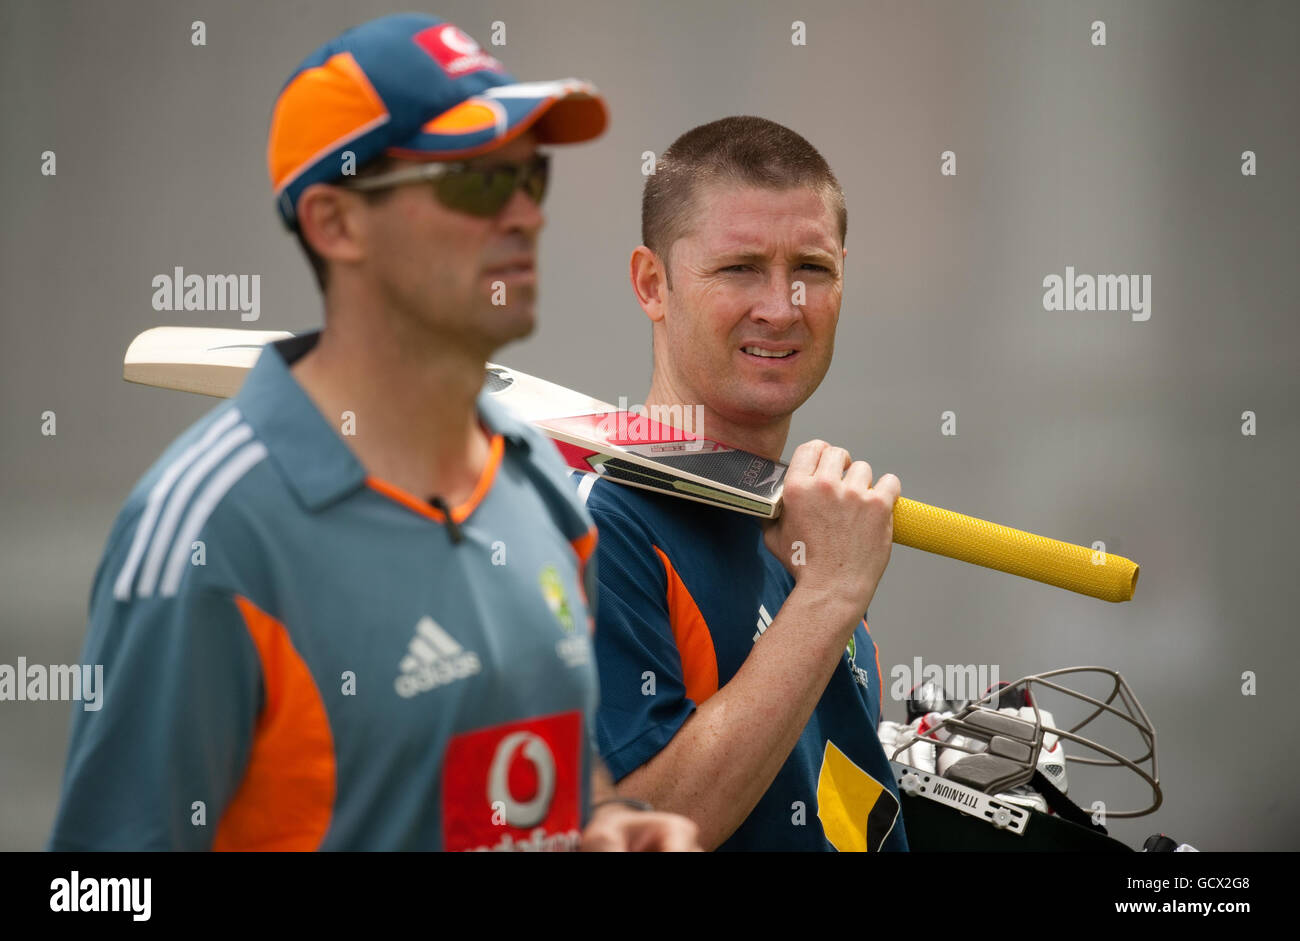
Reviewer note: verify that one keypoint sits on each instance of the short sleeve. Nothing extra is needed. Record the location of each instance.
(643, 699)
(153, 763)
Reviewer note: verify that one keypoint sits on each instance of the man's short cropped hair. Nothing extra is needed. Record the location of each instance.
(741, 150)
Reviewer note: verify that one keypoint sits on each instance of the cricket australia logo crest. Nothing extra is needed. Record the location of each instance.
(851, 653)
(574, 648)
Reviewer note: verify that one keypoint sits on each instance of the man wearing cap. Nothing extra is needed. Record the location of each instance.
(340, 612)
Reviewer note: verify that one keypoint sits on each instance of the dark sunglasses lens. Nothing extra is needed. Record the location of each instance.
(535, 185)
(477, 192)
(485, 192)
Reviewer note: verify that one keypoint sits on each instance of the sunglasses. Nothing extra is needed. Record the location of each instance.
(476, 190)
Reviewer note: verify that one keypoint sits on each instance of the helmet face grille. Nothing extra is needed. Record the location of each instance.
(993, 761)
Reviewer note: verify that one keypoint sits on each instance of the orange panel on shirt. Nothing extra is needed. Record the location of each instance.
(584, 546)
(286, 799)
(691, 633)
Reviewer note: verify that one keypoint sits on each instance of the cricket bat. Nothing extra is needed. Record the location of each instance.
(630, 449)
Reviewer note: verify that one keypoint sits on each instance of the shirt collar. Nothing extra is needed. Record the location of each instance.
(500, 420)
(314, 461)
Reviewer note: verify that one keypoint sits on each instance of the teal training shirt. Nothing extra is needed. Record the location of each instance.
(686, 592)
(297, 656)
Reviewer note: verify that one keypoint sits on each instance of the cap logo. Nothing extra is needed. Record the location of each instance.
(455, 50)
(458, 41)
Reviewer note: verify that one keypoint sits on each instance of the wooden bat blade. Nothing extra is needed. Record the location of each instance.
(208, 361)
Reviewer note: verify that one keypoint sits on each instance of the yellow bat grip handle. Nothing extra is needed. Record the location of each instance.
(1075, 568)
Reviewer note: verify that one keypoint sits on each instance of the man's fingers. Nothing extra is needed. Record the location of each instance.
(682, 836)
(832, 464)
(665, 833)
(858, 476)
(642, 832)
(889, 485)
(804, 460)
(599, 840)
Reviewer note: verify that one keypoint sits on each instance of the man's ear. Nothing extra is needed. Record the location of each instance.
(649, 281)
(329, 224)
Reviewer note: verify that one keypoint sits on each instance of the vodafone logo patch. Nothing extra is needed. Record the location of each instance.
(455, 50)
(515, 786)
(510, 779)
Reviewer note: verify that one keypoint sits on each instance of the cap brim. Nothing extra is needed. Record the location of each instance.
(560, 112)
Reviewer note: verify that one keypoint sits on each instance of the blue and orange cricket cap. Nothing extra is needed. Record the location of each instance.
(410, 85)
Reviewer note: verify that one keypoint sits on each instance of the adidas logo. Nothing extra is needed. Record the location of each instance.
(434, 659)
(763, 623)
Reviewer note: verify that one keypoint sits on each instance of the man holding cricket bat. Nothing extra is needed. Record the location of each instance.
(346, 610)
(739, 682)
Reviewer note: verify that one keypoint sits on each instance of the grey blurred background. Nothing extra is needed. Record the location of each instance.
(1084, 426)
